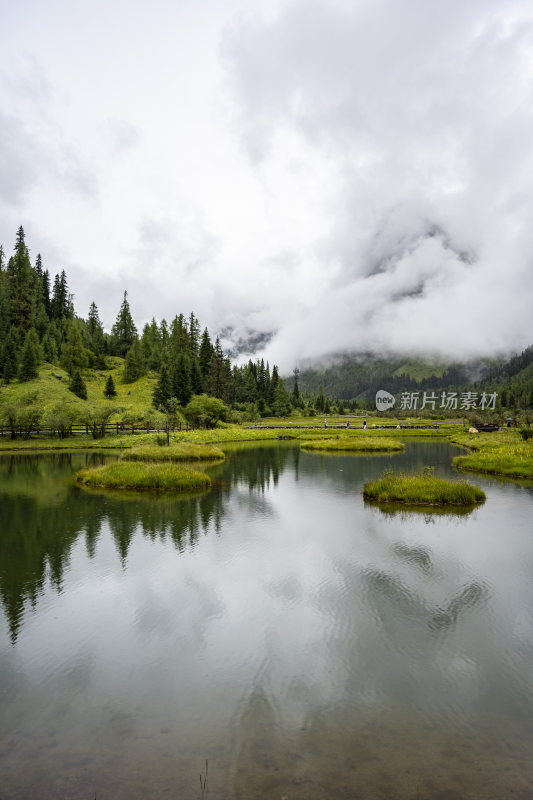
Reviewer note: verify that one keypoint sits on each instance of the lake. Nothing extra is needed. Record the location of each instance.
(308, 646)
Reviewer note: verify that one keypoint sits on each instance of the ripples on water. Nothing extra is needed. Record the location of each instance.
(306, 644)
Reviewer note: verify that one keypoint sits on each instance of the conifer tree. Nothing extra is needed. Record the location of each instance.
(134, 364)
(9, 356)
(21, 286)
(320, 402)
(217, 372)
(95, 331)
(109, 389)
(50, 348)
(77, 385)
(73, 353)
(273, 385)
(30, 357)
(194, 336)
(296, 397)
(61, 303)
(124, 331)
(206, 352)
(163, 388)
(181, 382)
(196, 378)
(282, 404)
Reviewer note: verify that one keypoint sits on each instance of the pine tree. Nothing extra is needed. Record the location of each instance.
(320, 402)
(206, 352)
(273, 385)
(282, 404)
(61, 303)
(134, 364)
(179, 336)
(181, 382)
(9, 356)
(73, 353)
(196, 377)
(151, 345)
(21, 286)
(30, 357)
(109, 390)
(77, 385)
(163, 388)
(296, 398)
(124, 331)
(95, 331)
(217, 372)
(194, 336)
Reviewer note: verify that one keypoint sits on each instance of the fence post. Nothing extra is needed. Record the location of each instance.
(133, 427)
(117, 428)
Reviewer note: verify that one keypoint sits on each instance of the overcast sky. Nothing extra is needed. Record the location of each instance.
(348, 175)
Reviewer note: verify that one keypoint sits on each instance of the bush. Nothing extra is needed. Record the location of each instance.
(60, 419)
(205, 410)
(526, 433)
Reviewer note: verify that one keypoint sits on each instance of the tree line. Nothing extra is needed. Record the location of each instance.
(38, 323)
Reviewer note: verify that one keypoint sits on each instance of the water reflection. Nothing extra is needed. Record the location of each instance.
(42, 514)
(306, 644)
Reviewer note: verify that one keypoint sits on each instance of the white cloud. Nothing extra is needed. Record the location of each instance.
(347, 174)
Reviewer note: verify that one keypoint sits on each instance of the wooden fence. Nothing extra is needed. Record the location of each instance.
(111, 427)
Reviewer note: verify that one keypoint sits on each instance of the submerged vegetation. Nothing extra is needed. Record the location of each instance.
(421, 489)
(354, 444)
(144, 476)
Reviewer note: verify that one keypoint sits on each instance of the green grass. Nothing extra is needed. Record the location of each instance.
(178, 451)
(144, 476)
(421, 489)
(354, 444)
(132, 399)
(504, 453)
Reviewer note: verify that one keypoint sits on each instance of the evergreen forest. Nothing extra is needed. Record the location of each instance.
(187, 366)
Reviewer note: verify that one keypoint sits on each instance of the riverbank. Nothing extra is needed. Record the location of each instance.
(286, 428)
(505, 454)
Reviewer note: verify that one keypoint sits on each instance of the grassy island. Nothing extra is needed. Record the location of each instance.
(422, 489)
(166, 477)
(352, 444)
(180, 451)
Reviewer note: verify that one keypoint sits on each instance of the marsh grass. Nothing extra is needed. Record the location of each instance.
(422, 488)
(516, 462)
(505, 454)
(159, 477)
(354, 444)
(178, 451)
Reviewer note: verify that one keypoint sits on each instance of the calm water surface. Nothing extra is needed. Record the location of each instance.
(307, 645)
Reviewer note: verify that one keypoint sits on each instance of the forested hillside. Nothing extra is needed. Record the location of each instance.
(39, 325)
(357, 378)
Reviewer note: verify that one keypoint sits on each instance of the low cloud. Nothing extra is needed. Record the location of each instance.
(426, 115)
